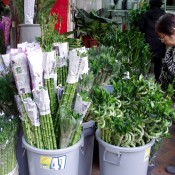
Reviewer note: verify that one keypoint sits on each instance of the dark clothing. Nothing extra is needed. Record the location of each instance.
(157, 67)
(147, 26)
(157, 48)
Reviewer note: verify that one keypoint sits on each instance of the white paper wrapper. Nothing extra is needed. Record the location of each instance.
(14, 50)
(63, 49)
(49, 64)
(41, 98)
(6, 60)
(19, 106)
(35, 59)
(81, 107)
(32, 111)
(86, 66)
(62, 61)
(2, 65)
(21, 72)
(77, 65)
(29, 11)
(27, 47)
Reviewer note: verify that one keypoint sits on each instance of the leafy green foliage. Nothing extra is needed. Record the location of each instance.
(130, 45)
(104, 63)
(8, 128)
(95, 23)
(4, 10)
(69, 125)
(86, 81)
(43, 9)
(49, 34)
(135, 113)
(135, 15)
(19, 9)
(73, 42)
(7, 92)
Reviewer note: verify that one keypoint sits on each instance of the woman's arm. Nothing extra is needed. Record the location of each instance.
(168, 70)
(165, 78)
(170, 60)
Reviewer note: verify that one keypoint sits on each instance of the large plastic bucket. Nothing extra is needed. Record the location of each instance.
(86, 154)
(53, 162)
(28, 32)
(116, 160)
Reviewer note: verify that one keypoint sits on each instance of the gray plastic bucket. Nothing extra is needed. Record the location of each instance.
(86, 154)
(53, 162)
(28, 32)
(116, 160)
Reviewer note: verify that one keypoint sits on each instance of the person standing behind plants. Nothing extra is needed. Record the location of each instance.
(147, 26)
(165, 28)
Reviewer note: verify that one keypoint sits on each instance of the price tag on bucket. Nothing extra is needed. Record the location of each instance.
(53, 163)
(147, 153)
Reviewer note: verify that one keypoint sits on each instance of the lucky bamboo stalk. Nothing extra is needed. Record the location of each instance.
(27, 124)
(41, 98)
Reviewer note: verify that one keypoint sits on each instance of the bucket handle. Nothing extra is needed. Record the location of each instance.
(118, 155)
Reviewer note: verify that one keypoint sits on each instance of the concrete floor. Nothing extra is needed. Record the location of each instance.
(165, 156)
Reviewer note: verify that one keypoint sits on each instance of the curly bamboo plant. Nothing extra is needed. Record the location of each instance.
(137, 112)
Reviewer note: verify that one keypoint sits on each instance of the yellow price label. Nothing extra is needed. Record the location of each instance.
(45, 162)
(147, 154)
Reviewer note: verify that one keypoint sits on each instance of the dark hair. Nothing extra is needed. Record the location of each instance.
(155, 3)
(166, 24)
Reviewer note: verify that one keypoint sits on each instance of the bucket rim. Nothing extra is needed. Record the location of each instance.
(80, 143)
(88, 124)
(114, 148)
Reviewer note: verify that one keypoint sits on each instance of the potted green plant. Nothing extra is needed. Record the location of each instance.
(88, 125)
(8, 140)
(104, 62)
(130, 46)
(129, 120)
(29, 15)
(59, 124)
(121, 53)
(8, 123)
(135, 15)
(93, 24)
